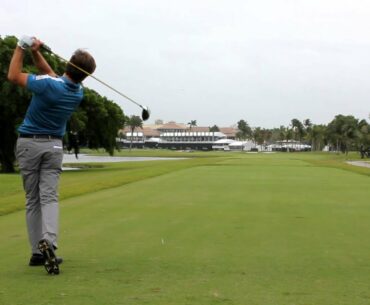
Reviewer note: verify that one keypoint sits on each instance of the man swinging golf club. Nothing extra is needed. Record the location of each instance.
(39, 149)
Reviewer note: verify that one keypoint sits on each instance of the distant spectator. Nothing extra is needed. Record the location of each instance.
(362, 151)
(73, 143)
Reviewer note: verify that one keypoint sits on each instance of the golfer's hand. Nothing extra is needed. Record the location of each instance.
(25, 42)
(37, 43)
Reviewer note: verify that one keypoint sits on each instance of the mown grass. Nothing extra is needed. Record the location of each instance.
(91, 178)
(95, 177)
(256, 229)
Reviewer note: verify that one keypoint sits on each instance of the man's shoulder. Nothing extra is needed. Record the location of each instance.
(47, 84)
(46, 77)
(40, 82)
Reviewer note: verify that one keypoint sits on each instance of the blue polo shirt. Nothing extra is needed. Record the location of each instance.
(53, 101)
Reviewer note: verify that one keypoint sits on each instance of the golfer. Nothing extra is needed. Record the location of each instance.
(39, 149)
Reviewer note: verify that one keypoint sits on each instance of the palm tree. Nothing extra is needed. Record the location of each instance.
(281, 133)
(244, 130)
(298, 130)
(192, 123)
(318, 137)
(342, 131)
(214, 128)
(307, 123)
(308, 129)
(134, 122)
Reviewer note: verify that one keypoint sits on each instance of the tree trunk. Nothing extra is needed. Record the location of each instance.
(132, 137)
(6, 164)
(8, 140)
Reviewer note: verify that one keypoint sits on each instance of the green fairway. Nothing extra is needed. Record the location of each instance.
(259, 229)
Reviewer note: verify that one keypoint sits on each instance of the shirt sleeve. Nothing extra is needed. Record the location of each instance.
(37, 83)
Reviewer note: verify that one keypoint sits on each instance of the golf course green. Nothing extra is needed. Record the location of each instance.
(216, 228)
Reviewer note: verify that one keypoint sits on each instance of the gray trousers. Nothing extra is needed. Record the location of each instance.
(40, 163)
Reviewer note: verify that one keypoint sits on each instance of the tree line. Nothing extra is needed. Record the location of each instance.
(96, 121)
(344, 133)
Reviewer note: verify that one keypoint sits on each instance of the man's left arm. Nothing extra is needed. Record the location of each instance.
(15, 74)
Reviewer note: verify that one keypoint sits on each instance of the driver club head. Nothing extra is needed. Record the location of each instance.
(145, 114)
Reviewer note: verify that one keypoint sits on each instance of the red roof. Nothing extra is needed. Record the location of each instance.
(155, 130)
(171, 125)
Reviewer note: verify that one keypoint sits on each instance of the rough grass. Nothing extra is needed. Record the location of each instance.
(245, 229)
(92, 178)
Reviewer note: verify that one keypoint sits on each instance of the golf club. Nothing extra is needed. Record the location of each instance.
(145, 110)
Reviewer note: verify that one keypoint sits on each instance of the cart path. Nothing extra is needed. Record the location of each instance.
(83, 158)
(359, 163)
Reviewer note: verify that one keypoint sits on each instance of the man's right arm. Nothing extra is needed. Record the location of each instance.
(39, 60)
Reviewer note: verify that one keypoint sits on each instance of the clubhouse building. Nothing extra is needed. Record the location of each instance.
(177, 136)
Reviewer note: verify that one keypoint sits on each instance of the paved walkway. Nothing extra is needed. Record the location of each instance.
(360, 163)
(82, 158)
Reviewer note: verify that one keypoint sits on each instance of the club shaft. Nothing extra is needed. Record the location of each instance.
(94, 77)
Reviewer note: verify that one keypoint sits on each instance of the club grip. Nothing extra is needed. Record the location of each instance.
(46, 48)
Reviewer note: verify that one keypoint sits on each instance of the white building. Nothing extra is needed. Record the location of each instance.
(222, 144)
(192, 137)
(242, 145)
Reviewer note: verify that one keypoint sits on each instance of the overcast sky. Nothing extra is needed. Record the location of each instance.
(215, 61)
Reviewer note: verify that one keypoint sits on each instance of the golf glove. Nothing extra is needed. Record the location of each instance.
(25, 42)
